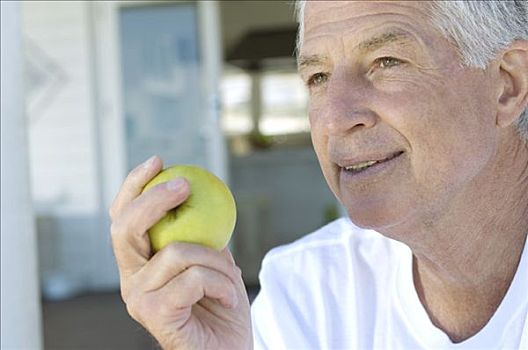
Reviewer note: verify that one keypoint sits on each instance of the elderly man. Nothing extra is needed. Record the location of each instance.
(419, 122)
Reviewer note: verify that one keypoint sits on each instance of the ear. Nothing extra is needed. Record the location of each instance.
(513, 95)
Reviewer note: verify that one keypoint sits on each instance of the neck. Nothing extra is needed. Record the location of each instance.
(466, 257)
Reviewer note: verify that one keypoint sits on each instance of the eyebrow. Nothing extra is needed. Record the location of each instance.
(312, 60)
(381, 40)
(366, 46)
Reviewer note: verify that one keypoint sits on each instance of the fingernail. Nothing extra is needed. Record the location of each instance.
(148, 163)
(176, 185)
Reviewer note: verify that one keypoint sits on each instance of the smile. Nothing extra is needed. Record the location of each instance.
(364, 165)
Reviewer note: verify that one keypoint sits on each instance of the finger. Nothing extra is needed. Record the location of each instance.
(227, 254)
(134, 183)
(237, 272)
(176, 258)
(151, 206)
(197, 282)
(131, 243)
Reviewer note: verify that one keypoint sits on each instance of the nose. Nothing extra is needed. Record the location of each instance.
(346, 107)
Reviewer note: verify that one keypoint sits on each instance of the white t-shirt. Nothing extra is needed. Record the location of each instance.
(343, 287)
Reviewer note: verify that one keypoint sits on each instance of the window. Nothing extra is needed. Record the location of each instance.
(283, 108)
(236, 98)
(284, 102)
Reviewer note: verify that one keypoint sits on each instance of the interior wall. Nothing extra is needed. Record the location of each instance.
(59, 107)
(20, 316)
(62, 143)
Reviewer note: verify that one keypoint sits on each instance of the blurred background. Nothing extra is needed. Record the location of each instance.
(94, 88)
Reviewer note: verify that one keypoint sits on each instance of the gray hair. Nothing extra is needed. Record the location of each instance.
(479, 30)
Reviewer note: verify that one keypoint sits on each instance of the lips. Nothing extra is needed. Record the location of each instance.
(358, 165)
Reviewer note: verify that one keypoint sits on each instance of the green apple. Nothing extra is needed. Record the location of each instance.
(207, 217)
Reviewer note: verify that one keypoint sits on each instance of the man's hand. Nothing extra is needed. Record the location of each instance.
(187, 296)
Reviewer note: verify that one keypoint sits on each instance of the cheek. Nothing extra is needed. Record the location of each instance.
(317, 131)
(445, 129)
(320, 145)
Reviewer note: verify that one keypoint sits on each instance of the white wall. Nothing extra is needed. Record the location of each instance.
(61, 129)
(20, 304)
(63, 144)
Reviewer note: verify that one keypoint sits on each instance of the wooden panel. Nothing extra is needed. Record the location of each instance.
(59, 105)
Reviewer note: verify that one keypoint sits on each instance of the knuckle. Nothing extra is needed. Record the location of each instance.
(132, 180)
(136, 305)
(237, 270)
(120, 229)
(124, 294)
(172, 255)
(173, 252)
(116, 228)
(158, 194)
(128, 297)
(112, 212)
(133, 307)
(197, 275)
(125, 288)
(134, 173)
(151, 202)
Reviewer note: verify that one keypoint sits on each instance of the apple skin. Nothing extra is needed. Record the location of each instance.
(207, 217)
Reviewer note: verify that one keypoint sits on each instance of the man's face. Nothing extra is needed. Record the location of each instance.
(385, 86)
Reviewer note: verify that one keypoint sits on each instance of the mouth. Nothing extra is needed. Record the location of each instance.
(360, 167)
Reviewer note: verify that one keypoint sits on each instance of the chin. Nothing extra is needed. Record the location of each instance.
(377, 218)
(368, 223)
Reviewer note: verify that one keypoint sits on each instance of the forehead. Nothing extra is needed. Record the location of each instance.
(322, 18)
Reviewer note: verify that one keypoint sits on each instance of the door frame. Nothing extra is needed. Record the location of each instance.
(109, 116)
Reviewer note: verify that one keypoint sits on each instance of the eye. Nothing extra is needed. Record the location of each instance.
(317, 79)
(387, 62)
